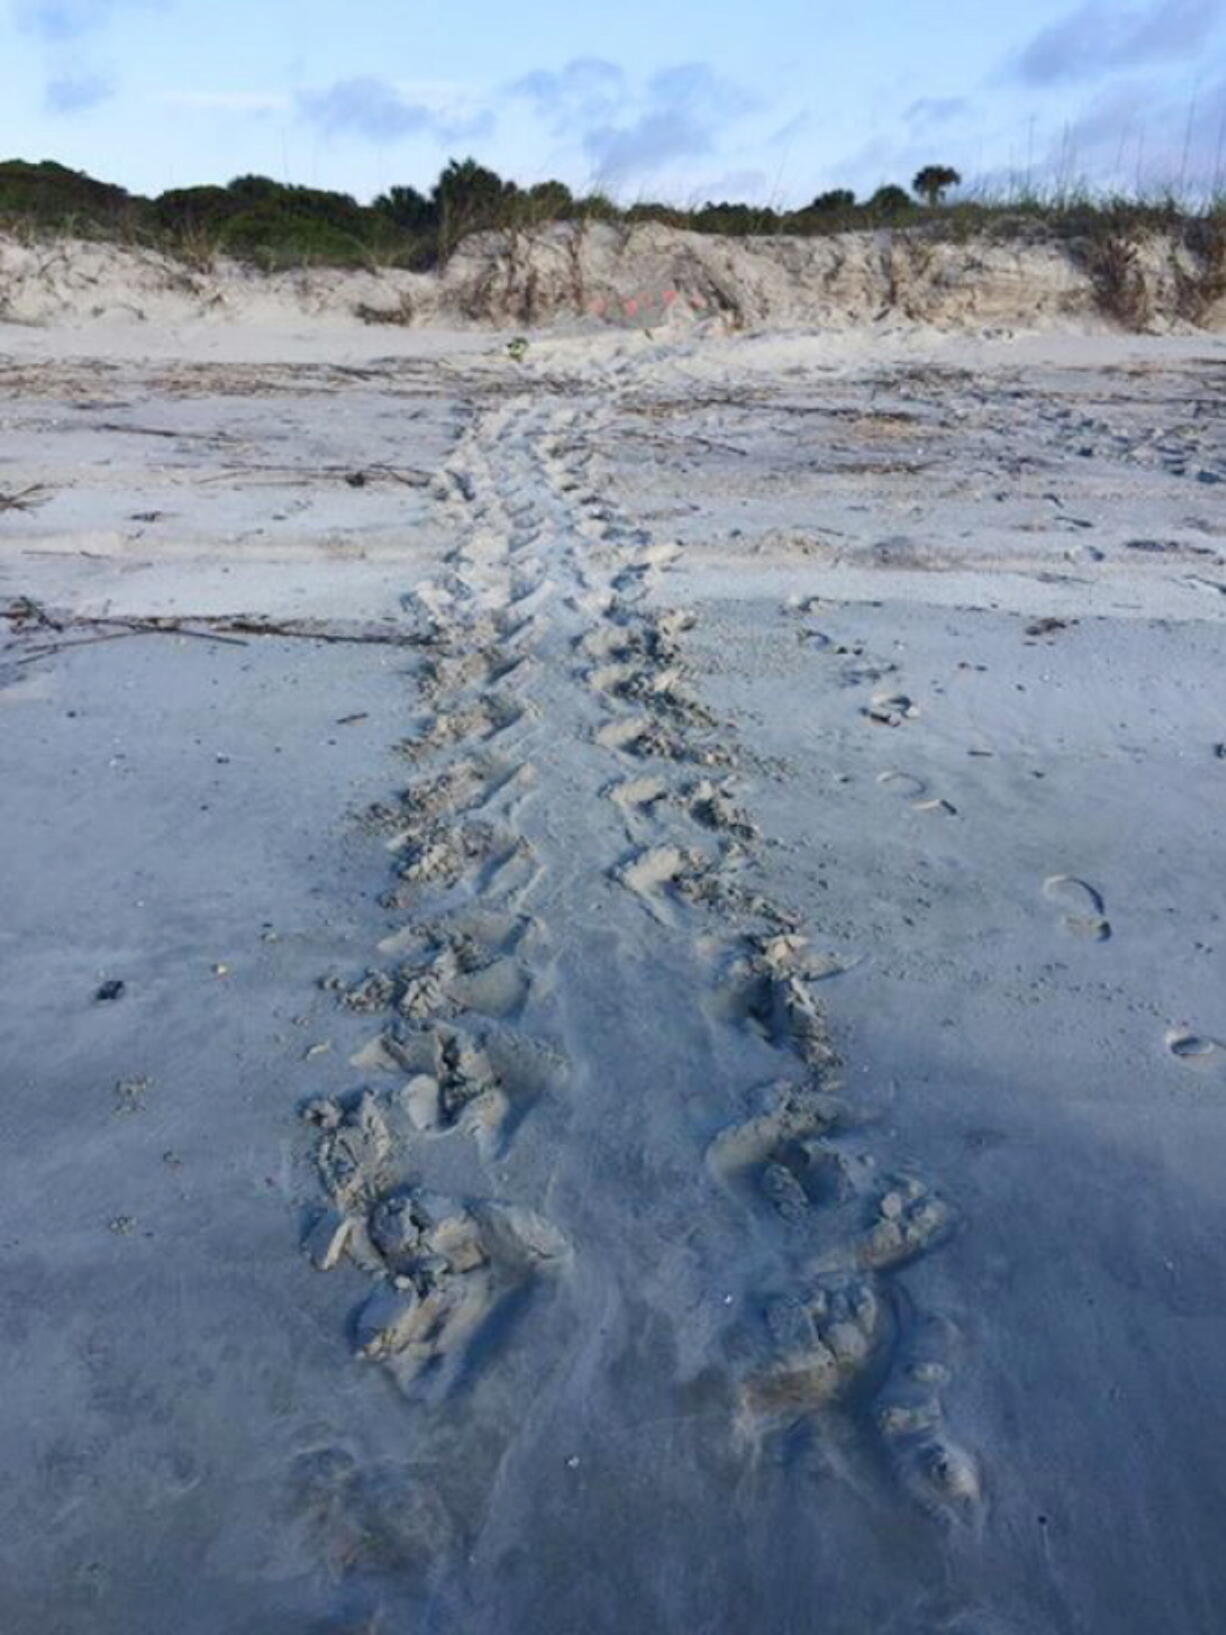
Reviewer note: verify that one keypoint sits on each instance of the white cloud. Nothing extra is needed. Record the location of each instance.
(379, 111)
(1103, 35)
(77, 93)
(254, 102)
(627, 134)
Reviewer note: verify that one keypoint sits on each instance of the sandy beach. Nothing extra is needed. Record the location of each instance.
(619, 1023)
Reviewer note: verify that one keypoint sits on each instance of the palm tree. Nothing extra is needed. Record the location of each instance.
(931, 182)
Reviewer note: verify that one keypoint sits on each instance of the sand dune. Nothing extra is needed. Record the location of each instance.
(641, 277)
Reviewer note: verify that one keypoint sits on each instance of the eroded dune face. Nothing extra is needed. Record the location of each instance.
(646, 276)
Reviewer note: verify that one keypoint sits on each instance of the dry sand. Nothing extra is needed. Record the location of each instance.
(682, 1088)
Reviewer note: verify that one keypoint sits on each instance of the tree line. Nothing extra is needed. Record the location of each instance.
(275, 224)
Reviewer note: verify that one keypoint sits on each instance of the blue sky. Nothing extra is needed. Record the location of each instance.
(702, 98)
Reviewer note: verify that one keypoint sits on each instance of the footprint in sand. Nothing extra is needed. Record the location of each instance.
(1195, 1050)
(825, 1342)
(656, 873)
(637, 796)
(1084, 916)
(910, 1416)
(890, 709)
(782, 1157)
(904, 784)
(906, 1222)
(941, 1475)
(442, 1267)
(915, 791)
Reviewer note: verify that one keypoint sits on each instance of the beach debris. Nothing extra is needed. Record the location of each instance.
(109, 990)
(25, 499)
(130, 1095)
(25, 613)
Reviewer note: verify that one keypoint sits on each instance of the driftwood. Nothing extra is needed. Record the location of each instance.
(25, 499)
(67, 647)
(311, 630)
(690, 440)
(94, 556)
(355, 476)
(26, 614)
(165, 431)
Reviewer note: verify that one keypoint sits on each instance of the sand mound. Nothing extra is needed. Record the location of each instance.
(646, 276)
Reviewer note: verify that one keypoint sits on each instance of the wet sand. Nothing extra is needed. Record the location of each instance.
(679, 1087)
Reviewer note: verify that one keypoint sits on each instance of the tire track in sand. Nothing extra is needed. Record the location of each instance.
(466, 963)
(838, 1343)
(548, 584)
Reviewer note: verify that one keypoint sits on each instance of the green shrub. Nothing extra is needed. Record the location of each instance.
(547, 201)
(596, 207)
(468, 198)
(50, 195)
(273, 239)
(890, 201)
(835, 203)
(407, 209)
